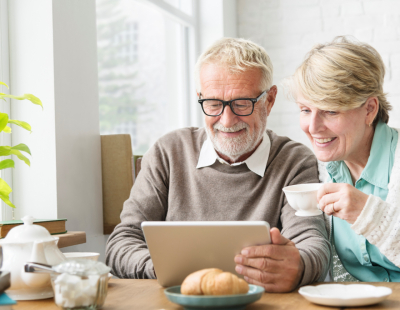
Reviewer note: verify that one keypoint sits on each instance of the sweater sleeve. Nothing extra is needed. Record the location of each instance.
(379, 223)
(126, 250)
(308, 233)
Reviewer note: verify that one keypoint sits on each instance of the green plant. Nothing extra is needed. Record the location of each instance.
(5, 150)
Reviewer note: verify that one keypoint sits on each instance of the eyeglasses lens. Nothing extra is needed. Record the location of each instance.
(240, 107)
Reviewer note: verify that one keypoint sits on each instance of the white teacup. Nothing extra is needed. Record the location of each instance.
(82, 255)
(303, 198)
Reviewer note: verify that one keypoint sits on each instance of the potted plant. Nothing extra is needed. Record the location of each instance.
(16, 150)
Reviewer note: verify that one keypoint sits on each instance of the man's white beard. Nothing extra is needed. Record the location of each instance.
(242, 144)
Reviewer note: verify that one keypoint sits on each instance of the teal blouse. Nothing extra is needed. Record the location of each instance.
(361, 259)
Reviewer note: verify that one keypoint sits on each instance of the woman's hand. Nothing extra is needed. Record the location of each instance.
(341, 200)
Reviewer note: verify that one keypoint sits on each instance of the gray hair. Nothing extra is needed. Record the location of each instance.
(341, 75)
(236, 55)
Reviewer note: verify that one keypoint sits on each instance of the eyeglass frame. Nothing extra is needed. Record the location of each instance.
(229, 103)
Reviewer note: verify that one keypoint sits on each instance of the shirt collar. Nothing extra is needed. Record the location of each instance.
(257, 162)
(376, 172)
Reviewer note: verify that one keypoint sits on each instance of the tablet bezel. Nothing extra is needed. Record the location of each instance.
(180, 248)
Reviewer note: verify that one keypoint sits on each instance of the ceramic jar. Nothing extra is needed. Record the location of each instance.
(29, 243)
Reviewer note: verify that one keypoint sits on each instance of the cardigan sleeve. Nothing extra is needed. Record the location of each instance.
(379, 223)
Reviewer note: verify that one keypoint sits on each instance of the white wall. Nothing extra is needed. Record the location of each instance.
(287, 29)
(54, 56)
(32, 71)
(217, 19)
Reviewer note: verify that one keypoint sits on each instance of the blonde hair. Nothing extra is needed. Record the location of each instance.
(236, 55)
(341, 75)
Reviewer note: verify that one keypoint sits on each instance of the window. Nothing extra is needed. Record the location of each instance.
(183, 5)
(145, 61)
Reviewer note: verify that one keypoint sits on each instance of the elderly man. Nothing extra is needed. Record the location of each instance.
(233, 169)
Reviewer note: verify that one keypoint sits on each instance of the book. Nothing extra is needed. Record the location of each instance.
(5, 280)
(54, 226)
(6, 302)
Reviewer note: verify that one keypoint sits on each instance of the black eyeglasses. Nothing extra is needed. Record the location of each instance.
(240, 106)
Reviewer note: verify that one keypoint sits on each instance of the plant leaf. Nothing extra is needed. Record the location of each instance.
(2, 83)
(33, 99)
(5, 150)
(30, 97)
(3, 120)
(5, 191)
(22, 124)
(7, 129)
(22, 147)
(20, 156)
(6, 163)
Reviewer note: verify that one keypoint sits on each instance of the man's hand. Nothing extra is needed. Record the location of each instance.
(277, 267)
(341, 200)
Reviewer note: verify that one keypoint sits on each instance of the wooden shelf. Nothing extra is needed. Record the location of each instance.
(71, 238)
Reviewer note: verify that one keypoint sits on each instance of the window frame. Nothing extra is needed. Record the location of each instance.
(190, 47)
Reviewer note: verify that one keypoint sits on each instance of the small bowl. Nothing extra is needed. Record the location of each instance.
(82, 255)
(303, 198)
(80, 284)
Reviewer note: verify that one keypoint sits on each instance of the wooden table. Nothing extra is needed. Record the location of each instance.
(147, 294)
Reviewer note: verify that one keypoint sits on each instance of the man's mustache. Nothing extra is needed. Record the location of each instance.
(234, 128)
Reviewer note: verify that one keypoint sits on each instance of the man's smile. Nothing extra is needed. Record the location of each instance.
(229, 134)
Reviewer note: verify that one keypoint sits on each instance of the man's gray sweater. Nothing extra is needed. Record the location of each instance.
(170, 188)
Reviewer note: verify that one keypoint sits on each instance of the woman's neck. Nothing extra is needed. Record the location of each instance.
(357, 161)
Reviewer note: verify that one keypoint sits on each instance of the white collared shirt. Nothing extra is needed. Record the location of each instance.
(257, 162)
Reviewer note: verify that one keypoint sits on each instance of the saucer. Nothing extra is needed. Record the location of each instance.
(234, 302)
(340, 295)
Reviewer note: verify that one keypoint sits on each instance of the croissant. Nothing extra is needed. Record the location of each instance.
(213, 282)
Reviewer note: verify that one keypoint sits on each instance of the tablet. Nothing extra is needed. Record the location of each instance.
(180, 248)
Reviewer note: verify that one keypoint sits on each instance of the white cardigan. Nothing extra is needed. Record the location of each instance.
(379, 221)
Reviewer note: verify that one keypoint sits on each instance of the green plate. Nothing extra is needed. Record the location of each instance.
(231, 302)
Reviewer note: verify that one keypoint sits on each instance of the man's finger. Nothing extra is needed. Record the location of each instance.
(277, 238)
(261, 263)
(255, 274)
(272, 251)
(269, 287)
(327, 188)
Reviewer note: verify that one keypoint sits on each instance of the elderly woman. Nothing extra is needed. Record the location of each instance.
(344, 112)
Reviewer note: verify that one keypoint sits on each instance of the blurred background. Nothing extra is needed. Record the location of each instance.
(147, 49)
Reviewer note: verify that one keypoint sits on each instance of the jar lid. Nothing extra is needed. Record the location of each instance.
(28, 232)
(82, 267)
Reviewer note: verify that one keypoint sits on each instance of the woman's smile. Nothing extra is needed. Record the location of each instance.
(324, 142)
